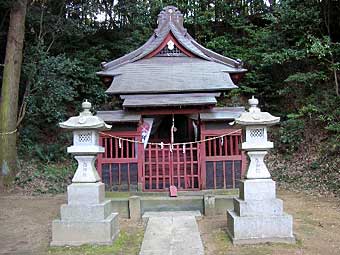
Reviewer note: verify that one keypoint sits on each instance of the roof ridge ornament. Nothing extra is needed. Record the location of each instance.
(169, 14)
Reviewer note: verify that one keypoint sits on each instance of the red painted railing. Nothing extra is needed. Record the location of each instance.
(213, 164)
(223, 163)
(118, 166)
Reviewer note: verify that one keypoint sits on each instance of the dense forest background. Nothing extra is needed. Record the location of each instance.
(290, 47)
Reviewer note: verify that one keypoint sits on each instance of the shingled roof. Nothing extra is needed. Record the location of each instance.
(171, 61)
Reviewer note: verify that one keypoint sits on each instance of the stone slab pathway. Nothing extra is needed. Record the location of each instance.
(172, 233)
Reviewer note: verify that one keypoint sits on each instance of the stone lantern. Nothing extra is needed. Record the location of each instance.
(258, 215)
(88, 217)
(256, 144)
(85, 146)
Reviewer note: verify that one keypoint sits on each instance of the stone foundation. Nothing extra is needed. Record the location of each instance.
(258, 215)
(86, 219)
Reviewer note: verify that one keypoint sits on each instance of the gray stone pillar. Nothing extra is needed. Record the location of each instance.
(135, 208)
(209, 205)
(140, 187)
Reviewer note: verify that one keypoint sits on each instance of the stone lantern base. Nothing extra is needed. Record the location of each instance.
(258, 215)
(87, 218)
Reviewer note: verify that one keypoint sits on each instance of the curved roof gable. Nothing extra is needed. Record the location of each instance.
(183, 66)
(170, 21)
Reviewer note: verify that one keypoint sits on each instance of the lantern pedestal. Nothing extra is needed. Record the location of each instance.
(258, 215)
(87, 218)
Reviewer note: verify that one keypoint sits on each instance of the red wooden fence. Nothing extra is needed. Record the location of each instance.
(223, 163)
(118, 166)
(179, 167)
(214, 164)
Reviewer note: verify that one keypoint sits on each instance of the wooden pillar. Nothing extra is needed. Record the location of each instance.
(202, 159)
(140, 160)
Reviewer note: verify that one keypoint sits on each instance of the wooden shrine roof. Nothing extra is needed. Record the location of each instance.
(220, 114)
(119, 116)
(215, 114)
(170, 75)
(168, 100)
(193, 68)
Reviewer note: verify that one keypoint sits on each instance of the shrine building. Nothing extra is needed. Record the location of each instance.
(169, 130)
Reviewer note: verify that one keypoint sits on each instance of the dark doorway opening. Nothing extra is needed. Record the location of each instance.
(161, 129)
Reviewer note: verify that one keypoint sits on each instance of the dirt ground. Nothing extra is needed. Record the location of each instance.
(25, 223)
(316, 228)
(25, 228)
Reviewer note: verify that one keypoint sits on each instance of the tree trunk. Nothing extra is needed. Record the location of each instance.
(10, 93)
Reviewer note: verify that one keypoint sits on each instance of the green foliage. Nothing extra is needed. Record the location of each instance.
(53, 89)
(45, 178)
(57, 86)
(56, 81)
(307, 78)
(291, 134)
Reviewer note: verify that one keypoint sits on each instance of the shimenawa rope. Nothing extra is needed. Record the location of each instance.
(170, 144)
(9, 133)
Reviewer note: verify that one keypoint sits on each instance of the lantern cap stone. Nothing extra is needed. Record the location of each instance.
(85, 120)
(255, 117)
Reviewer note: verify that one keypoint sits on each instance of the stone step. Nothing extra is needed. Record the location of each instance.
(172, 214)
(166, 214)
(174, 232)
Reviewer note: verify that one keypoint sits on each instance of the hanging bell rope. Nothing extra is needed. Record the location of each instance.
(172, 130)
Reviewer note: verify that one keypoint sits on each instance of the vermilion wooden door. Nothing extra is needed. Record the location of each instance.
(164, 167)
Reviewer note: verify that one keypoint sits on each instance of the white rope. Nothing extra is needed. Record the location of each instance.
(9, 133)
(161, 144)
